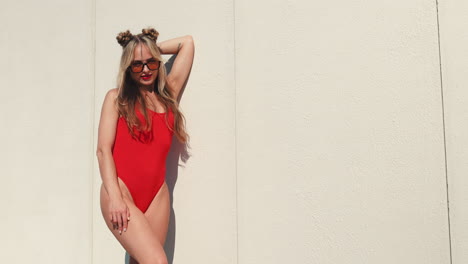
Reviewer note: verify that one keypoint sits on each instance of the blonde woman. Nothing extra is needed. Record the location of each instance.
(138, 120)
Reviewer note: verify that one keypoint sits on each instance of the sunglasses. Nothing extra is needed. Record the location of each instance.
(137, 66)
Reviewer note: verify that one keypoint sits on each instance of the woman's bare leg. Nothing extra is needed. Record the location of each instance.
(139, 240)
(157, 215)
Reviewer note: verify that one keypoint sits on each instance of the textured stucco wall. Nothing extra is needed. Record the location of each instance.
(316, 130)
(46, 137)
(453, 16)
(340, 144)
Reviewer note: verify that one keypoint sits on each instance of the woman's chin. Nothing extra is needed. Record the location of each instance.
(146, 83)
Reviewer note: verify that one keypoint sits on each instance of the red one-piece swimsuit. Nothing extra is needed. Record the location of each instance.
(141, 161)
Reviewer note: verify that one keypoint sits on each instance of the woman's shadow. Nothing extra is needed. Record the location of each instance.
(172, 171)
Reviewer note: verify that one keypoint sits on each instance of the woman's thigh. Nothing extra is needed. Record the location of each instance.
(139, 240)
(158, 213)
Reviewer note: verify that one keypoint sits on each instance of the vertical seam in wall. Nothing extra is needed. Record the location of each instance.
(93, 37)
(443, 130)
(235, 128)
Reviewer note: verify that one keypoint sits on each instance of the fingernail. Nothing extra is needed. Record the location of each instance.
(125, 229)
(120, 231)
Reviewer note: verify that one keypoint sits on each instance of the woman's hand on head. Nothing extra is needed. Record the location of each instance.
(119, 214)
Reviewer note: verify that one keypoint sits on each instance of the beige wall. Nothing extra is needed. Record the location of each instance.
(316, 130)
(454, 40)
(340, 145)
(46, 140)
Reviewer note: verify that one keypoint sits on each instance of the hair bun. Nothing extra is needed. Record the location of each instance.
(124, 37)
(151, 33)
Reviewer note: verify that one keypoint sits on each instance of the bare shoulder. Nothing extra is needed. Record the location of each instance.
(109, 107)
(108, 121)
(112, 94)
(109, 99)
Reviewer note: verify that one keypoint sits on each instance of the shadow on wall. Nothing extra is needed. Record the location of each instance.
(172, 171)
(172, 164)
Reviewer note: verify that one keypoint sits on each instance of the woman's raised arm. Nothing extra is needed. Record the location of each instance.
(185, 49)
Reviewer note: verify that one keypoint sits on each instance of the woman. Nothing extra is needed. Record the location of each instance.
(138, 120)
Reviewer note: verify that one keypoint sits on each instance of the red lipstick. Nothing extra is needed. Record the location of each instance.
(146, 77)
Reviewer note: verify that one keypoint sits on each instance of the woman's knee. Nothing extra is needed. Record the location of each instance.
(154, 259)
(156, 256)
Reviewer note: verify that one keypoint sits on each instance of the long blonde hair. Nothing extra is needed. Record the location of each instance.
(129, 94)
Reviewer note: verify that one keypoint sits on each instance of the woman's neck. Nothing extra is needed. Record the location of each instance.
(146, 89)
